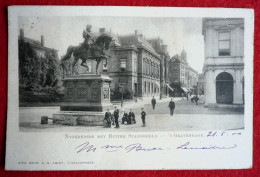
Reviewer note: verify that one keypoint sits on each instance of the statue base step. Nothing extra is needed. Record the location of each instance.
(79, 118)
(94, 107)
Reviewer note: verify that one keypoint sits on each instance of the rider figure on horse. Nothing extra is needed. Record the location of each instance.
(88, 37)
(93, 48)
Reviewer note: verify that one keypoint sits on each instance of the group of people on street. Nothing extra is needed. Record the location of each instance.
(112, 118)
(128, 118)
(193, 99)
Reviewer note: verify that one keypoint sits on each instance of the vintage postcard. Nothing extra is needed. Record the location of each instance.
(129, 88)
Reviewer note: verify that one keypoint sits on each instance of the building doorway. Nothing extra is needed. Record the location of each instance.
(224, 88)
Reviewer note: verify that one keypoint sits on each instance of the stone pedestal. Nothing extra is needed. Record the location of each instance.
(79, 118)
(87, 97)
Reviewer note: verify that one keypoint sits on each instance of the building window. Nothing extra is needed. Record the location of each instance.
(148, 68)
(224, 43)
(104, 65)
(144, 67)
(135, 65)
(151, 69)
(41, 54)
(145, 87)
(123, 64)
(155, 71)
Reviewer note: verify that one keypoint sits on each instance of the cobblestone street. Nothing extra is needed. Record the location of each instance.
(187, 117)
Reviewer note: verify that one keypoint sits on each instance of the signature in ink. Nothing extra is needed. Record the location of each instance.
(138, 147)
(110, 148)
(85, 147)
(188, 146)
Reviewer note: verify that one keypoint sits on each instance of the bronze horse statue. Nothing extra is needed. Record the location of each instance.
(95, 52)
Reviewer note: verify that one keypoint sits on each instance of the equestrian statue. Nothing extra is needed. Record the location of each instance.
(93, 48)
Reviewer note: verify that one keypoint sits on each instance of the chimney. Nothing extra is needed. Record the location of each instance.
(102, 30)
(136, 32)
(164, 48)
(21, 34)
(42, 40)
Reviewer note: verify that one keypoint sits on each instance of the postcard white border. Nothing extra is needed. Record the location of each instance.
(43, 147)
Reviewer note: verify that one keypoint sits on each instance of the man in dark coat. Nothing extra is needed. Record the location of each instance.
(108, 117)
(116, 115)
(171, 106)
(113, 118)
(143, 114)
(124, 118)
(153, 102)
(132, 116)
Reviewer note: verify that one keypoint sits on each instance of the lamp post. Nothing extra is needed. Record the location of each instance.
(197, 93)
(122, 95)
(122, 87)
(197, 90)
(136, 92)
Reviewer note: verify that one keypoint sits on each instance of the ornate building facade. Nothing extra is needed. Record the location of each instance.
(133, 64)
(161, 49)
(224, 61)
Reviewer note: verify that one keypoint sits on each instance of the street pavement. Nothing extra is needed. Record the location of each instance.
(187, 117)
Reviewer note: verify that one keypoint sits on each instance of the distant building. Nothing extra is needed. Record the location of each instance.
(192, 78)
(201, 82)
(224, 60)
(182, 77)
(37, 46)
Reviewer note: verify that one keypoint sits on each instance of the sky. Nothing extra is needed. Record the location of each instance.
(177, 33)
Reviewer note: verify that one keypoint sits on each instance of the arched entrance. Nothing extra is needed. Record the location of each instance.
(224, 88)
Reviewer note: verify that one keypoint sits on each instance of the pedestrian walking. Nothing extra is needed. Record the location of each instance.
(143, 114)
(116, 115)
(153, 102)
(124, 118)
(108, 117)
(171, 106)
(132, 116)
(187, 96)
